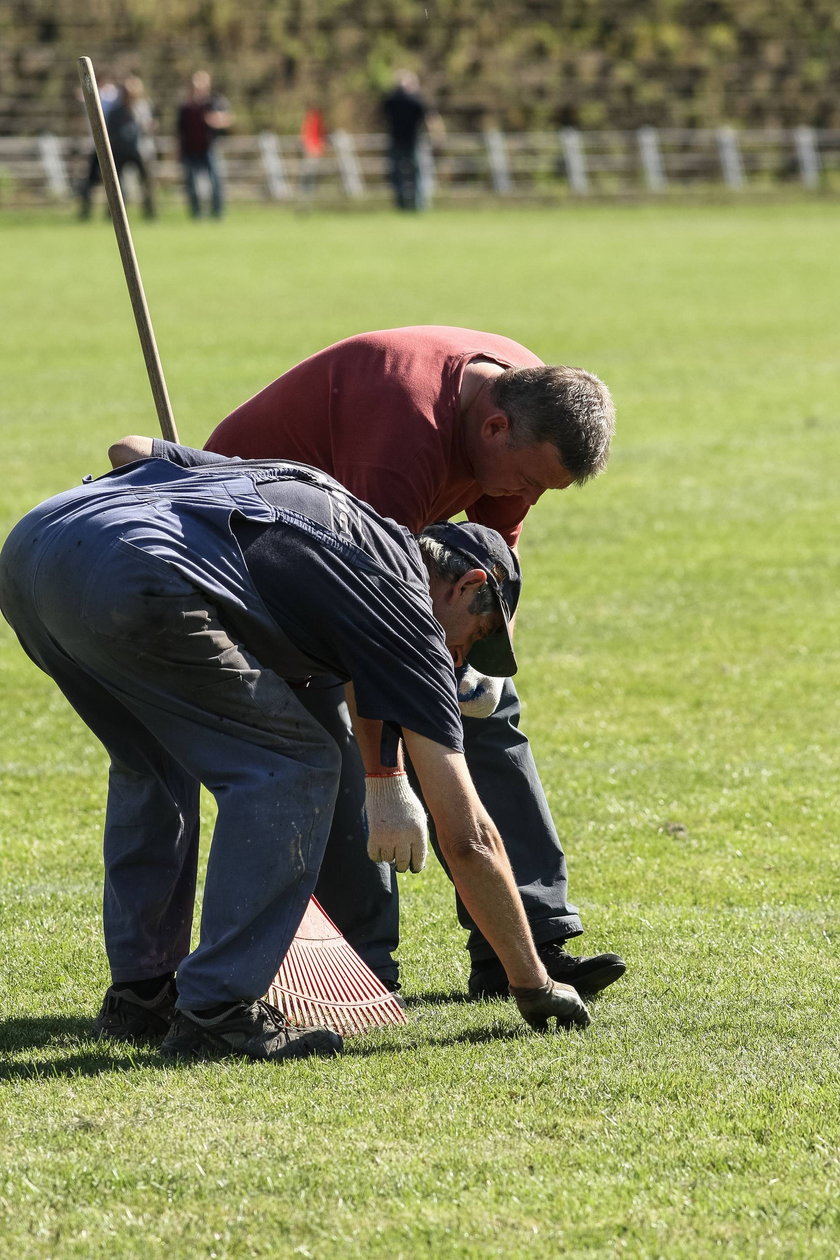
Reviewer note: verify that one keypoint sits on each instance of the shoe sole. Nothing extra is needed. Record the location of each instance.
(599, 980)
(188, 1049)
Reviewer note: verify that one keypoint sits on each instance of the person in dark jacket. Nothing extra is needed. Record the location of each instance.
(410, 118)
(130, 126)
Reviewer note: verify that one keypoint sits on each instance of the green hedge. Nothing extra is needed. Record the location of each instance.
(529, 64)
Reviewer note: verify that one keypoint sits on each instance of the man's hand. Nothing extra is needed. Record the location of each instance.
(396, 822)
(478, 695)
(129, 449)
(551, 1001)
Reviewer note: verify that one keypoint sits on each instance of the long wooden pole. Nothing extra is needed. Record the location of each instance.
(119, 218)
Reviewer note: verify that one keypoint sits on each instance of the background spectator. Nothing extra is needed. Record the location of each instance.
(313, 143)
(130, 126)
(409, 118)
(202, 118)
(108, 96)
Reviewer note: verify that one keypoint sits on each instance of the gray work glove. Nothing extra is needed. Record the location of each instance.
(478, 695)
(551, 1001)
(396, 823)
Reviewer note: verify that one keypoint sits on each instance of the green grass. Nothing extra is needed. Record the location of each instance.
(680, 672)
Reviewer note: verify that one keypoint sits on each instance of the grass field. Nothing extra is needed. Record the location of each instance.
(679, 647)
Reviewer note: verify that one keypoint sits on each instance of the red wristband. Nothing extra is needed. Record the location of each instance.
(386, 774)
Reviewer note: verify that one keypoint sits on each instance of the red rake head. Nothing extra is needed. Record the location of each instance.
(323, 981)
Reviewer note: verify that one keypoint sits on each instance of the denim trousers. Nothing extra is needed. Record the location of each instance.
(177, 701)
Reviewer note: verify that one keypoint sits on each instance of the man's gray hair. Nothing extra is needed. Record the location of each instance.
(566, 406)
(450, 565)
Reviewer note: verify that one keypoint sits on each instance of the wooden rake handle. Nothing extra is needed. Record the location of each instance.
(119, 219)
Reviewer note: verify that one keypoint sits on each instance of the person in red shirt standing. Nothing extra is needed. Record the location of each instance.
(424, 423)
(313, 144)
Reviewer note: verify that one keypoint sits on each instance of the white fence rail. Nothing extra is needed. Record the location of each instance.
(549, 165)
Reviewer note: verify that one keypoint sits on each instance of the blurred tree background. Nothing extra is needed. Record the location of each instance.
(516, 64)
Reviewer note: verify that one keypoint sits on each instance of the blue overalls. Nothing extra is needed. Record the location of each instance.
(124, 591)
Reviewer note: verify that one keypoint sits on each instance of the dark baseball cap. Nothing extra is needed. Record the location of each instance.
(487, 550)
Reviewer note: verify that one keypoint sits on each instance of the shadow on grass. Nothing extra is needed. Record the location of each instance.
(65, 1038)
(436, 998)
(414, 1001)
(70, 1048)
(357, 1048)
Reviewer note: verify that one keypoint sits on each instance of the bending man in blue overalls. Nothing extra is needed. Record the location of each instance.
(177, 608)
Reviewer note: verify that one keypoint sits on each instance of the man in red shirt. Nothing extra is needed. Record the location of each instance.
(424, 423)
(202, 118)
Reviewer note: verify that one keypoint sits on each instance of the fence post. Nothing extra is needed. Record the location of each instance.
(348, 164)
(275, 172)
(730, 157)
(651, 156)
(427, 175)
(494, 143)
(575, 160)
(808, 156)
(55, 170)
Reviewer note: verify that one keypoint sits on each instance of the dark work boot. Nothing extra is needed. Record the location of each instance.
(126, 1016)
(587, 975)
(249, 1030)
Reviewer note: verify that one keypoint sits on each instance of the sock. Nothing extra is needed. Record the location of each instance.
(213, 1012)
(146, 990)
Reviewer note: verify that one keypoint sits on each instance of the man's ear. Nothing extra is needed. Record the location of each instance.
(495, 425)
(468, 583)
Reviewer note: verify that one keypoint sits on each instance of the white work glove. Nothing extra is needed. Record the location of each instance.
(396, 822)
(478, 695)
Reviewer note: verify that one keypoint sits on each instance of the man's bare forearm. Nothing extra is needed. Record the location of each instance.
(368, 734)
(481, 871)
(129, 449)
(476, 859)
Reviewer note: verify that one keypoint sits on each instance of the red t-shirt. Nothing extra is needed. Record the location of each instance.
(379, 412)
(313, 133)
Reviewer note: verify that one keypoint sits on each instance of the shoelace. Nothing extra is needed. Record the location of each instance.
(277, 1018)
